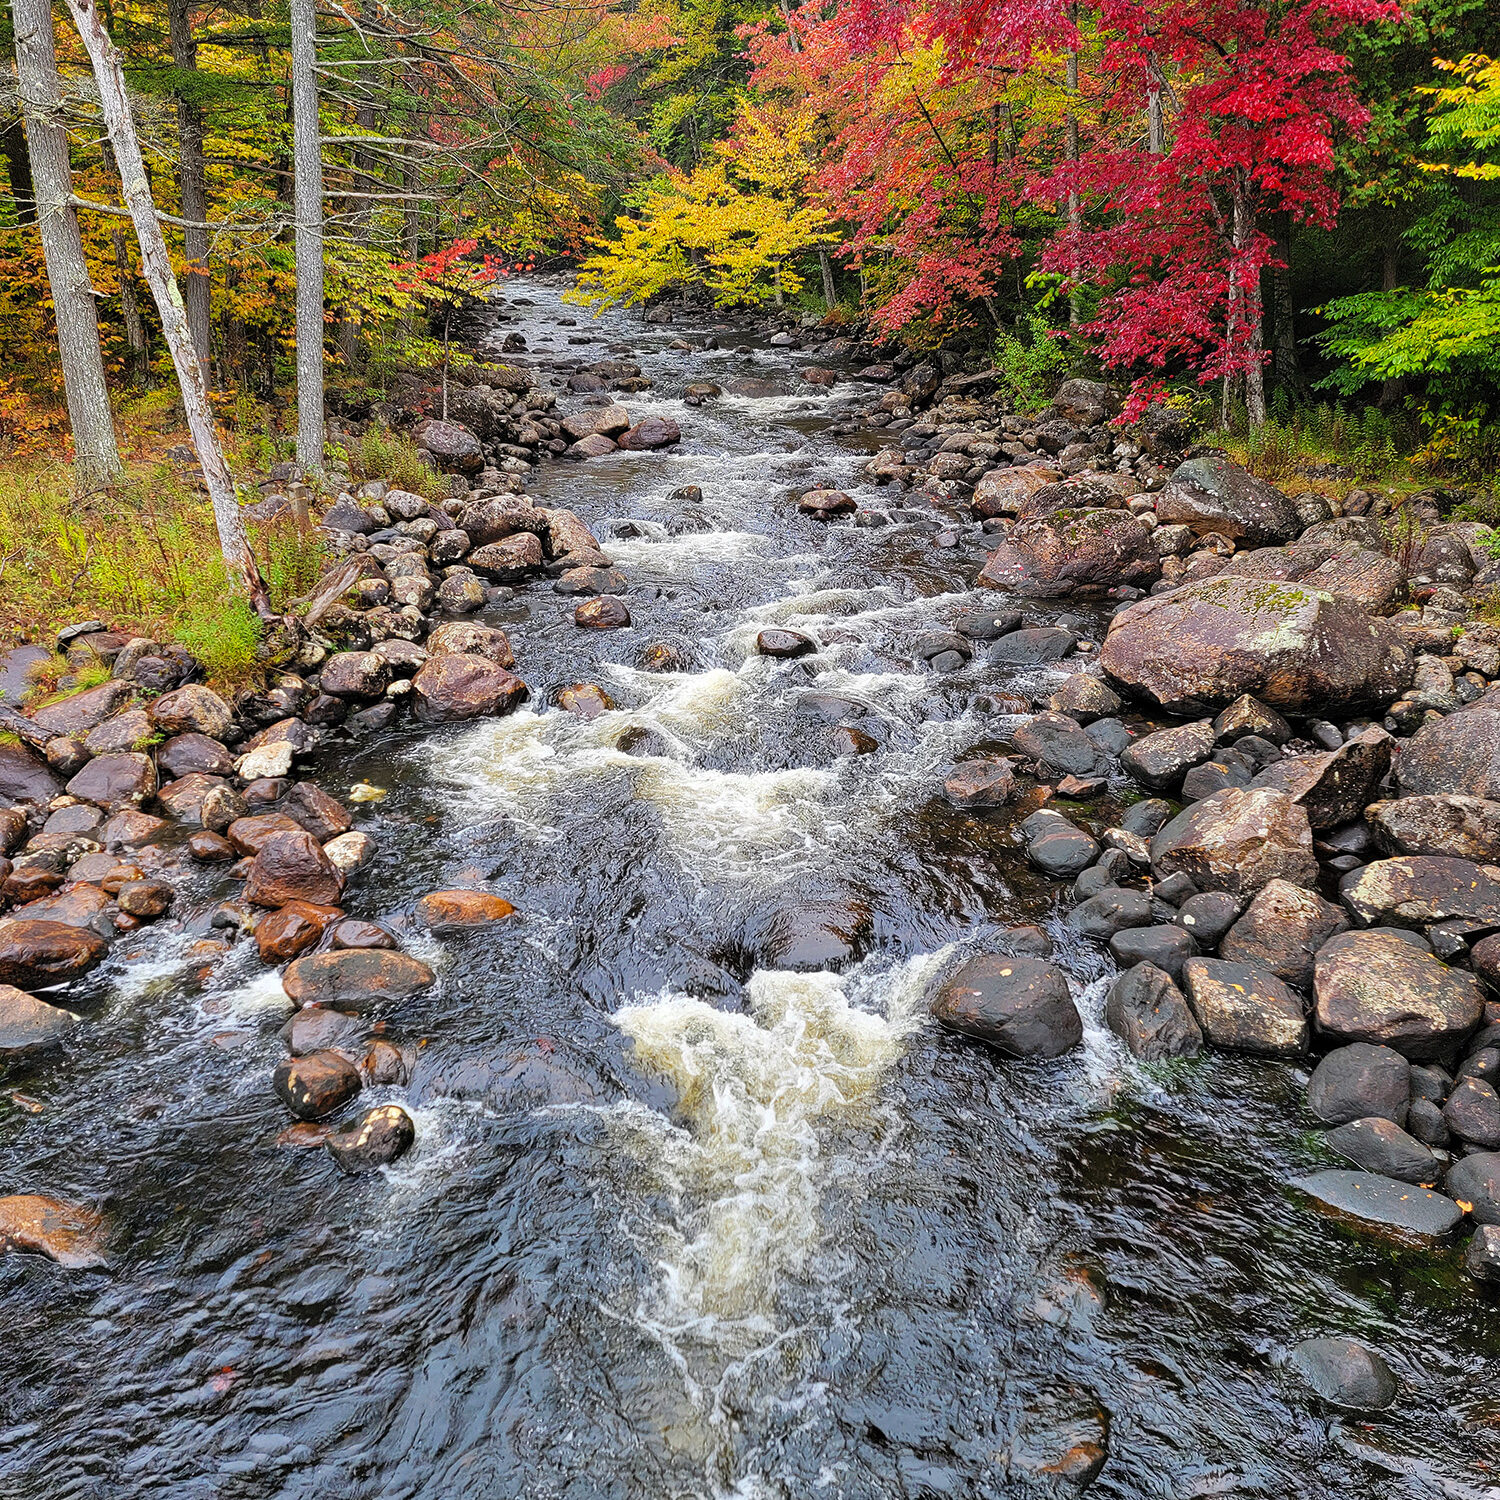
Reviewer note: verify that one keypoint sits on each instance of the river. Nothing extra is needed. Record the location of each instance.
(681, 1225)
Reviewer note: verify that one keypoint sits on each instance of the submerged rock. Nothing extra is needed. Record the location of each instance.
(1345, 1373)
(1404, 1210)
(381, 1137)
(73, 1235)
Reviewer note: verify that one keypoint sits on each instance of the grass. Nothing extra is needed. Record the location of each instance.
(393, 457)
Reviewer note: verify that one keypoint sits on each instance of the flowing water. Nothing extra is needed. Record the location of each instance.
(680, 1223)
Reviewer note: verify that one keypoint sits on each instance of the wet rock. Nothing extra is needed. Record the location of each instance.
(250, 833)
(1214, 496)
(1238, 840)
(1111, 911)
(36, 953)
(1147, 1011)
(1419, 889)
(184, 800)
(1439, 823)
(511, 559)
(1472, 1113)
(1475, 1181)
(1020, 1006)
(784, 644)
(981, 783)
(193, 709)
(355, 932)
(1482, 1255)
(28, 1024)
(848, 739)
(1062, 1440)
(116, 781)
(605, 612)
(25, 778)
(78, 905)
(1249, 716)
(355, 978)
(1057, 743)
(1360, 1081)
(145, 899)
(132, 829)
(611, 421)
(817, 935)
(318, 1028)
(1378, 1145)
(454, 686)
(129, 730)
(382, 1136)
(1084, 699)
(293, 867)
(1049, 556)
(1063, 851)
(1167, 947)
(823, 505)
(184, 754)
(1160, 760)
(1031, 648)
(1458, 753)
(986, 624)
(1345, 1373)
(1405, 1211)
(350, 852)
(72, 1234)
(460, 594)
(316, 1084)
(448, 911)
(1281, 930)
(322, 816)
(649, 434)
(361, 675)
(1373, 987)
(1296, 649)
(1245, 1009)
(386, 1063)
(296, 927)
(77, 714)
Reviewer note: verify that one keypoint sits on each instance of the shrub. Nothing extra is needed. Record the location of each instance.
(393, 457)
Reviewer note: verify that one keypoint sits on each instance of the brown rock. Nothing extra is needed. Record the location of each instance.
(469, 638)
(183, 799)
(1281, 930)
(445, 910)
(1333, 787)
(1438, 823)
(1212, 495)
(1001, 492)
(361, 675)
(1073, 551)
(606, 612)
(293, 867)
(510, 559)
(132, 829)
(78, 714)
(981, 783)
(185, 753)
(24, 777)
(322, 816)
(1245, 1009)
(354, 932)
(130, 729)
(193, 709)
(211, 848)
(585, 700)
(318, 1028)
(28, 1024)
(456, 686)
(146, 899)
(821, 504)
(38, 953)
(385, 1064)
(293, 929)
(248, 834)
(316, 1084)
(649, 434)
(381, 1137)
(1237, 840)
(354, 978)
(28, 883)
(116, 781)
(69, 1233)
(1418, 889)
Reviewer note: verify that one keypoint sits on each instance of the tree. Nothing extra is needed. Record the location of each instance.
(192, 177)
(97, 456)
(239, 561)
(308, 197)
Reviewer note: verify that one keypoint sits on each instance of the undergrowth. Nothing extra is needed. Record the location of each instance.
(393, 457)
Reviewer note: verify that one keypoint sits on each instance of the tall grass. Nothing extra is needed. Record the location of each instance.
(1364, 440)
(393, 457)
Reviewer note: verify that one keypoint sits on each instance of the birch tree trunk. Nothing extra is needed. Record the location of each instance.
(825, 264)
(156, 265)
(97, 457)
(307, 154)
(192, 182)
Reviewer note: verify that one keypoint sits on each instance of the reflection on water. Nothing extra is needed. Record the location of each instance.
(681, 1224)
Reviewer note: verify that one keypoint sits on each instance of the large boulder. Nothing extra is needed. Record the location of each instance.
(1238, 840)
(500, 516)
(77, 714)
(1364, 577)
(1438, 823)
(451, 445)
(1084, 403)
(1359, 1082)
(607, 421)
(37, 953)
(650, 433)
(1281, 930)
(26, 778)
(1071, 551)
(293, 867)
(1457, 753)
(1146, 1010)
(470, 638)
(115, 781)
(1419, 889)
(1003, 492)
(1212, 495)
(1020, 1006)
(459, 685)
(1245, 1009)
(1334, 786)
(1376, 987)
(1297, 649)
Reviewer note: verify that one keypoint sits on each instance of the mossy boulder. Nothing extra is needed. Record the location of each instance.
(1297, 649)
(1212, 495)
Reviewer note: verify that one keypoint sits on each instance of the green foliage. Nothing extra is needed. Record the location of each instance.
(393, 457)
(1033, 362)
(1363, 439)
(224, 633)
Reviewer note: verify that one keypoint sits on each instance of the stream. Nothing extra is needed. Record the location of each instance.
(681, 1224)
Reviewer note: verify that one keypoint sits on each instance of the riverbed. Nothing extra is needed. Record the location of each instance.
(681, 1224)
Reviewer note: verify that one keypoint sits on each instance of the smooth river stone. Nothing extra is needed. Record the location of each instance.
(1409, 1211)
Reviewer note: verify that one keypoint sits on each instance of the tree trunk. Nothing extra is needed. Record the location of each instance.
(307, 151)
(830, 293)
(130, 309)
(1393, 387)
(192, 183)
(1156, 116)
(97, 456)
(1075, 212)
(18, 170)
(1245, 326)
(1286, 362)
(780, 300)
(239, 561)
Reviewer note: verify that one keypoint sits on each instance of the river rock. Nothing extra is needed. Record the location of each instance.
(1238, 840)
(130, 729)
(1419, 889)
(1281, 930)
(316, 1084)
(193, 709)
(361, 675)
(73, 1235)
(451, 445)
(355, 978)
(1056, 742)
(77, 714)
(322, 816)
(130, 828)
(36, 953)
(499, 516)
(1358, 1082)
(319, 1027)
(1472, 1113)
(28, 1024)
(1482, 1255)
(509, 560)
(1245, 1009)
(1147, 1011)
(1061, 1443)
(1345, 1373)
(454, 686)
(1459, 752)
(293, 867)
(116, 781)
(447, 911)
(1296, 649)
(1020, 1006)
(649, 434)
(355, 932)
(470, 638)
(1069, 551)
(1442, 823)
(184, 754)
(1062, 851)
(611, 421)
(1031, 648)
(1160, 760)
(1248, 716)
(1166, 946)
(1380, 1146)
(1334, 786)
(291, 930)
(79, 905)
(25, 778)
(1212, 495)
(605, 612)
(822, 504)
(382, 1136)
(1101, 917)
(1475, 1181)
(350, 852)
(249, 834)
(1002, 492)
(981, 783)
(751, 385)
(145, 899)
(1084, 698)
(594, 445)
(184, 801)
(1374, 987)
(1407, 1212)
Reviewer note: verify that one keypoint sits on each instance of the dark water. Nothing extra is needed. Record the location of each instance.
(677, 1225)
